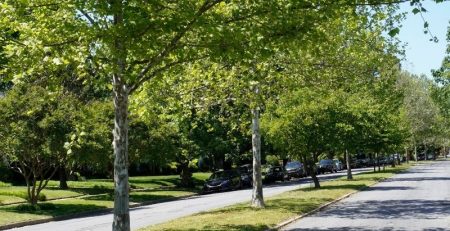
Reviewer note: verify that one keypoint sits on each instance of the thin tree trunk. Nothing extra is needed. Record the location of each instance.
(186, 175)
(393, 161)
(62, 177)
(415, 153)
(378, 163)
(257, 194)
(313, 174)
(426, 151)
(407, 155)
(349, 167)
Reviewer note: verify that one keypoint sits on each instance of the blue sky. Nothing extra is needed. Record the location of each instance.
(421, 54)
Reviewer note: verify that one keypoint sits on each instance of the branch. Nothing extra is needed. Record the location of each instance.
(208, 4)
(87, 16)
(149, 76)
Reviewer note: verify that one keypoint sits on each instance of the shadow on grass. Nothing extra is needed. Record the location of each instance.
(97, 189)
(137, 198)
(337, 187)
(53, 210)
(170, 182)
(237, 227)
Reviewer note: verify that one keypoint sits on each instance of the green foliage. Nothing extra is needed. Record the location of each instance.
(272, 160)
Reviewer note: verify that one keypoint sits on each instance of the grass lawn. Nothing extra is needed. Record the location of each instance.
(97, 194)
(278, 208)
(14, 194)
(18, 213)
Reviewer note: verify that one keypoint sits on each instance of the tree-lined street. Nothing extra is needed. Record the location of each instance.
(162, 212)
(417, 199)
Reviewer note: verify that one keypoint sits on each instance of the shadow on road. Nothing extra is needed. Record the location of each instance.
(353, 228)
(418, 179)
(387, 188)
(390, 209)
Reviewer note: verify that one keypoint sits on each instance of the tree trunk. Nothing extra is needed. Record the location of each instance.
(120, 90)
(378, 162)
(426, 151)
(349, 168)
(257, 194)
(121, 200)
(186, 176)
(415, 153)
(313, 175)
(62, 177)
(393, 161)
(407, 155)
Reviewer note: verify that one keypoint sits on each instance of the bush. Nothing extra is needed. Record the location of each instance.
(272, 160)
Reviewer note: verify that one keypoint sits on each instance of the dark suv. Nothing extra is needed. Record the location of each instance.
(223, 181)
(246, 172)
(326, 166)
(295, 169)
(274, 173)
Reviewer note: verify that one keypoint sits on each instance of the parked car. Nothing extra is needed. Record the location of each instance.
(223, 181)
(246, 172)
(274, 173)
(295, 169)
(326, 166)
(338, 164)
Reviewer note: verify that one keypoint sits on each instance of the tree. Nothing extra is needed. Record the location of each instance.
(129, 43)
(34, 132)
(420, 112)
(441, 96)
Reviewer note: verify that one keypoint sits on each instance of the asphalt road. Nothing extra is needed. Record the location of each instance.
(158, 213)
(418, 199)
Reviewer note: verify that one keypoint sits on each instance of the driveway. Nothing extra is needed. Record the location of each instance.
(418, 199)
(157, 213)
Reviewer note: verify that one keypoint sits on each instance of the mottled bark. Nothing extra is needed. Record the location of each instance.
(121, 200)
(257, 193)
(121, 218)
(349, 167)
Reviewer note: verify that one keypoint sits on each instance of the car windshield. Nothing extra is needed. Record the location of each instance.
(292, 165)
(220, 175)
(326, 162)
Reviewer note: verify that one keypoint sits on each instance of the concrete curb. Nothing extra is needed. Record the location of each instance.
(321, 207)
(88, 213)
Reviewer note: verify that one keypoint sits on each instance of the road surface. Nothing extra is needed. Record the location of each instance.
(418, 199)
(158, 213)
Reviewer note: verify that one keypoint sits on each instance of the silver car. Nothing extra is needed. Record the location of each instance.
(338, 165)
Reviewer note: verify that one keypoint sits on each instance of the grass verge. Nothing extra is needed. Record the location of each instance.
(96, 195)
(278, 208)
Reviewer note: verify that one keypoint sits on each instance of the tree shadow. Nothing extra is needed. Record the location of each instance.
(53, 210)
(353, 228)
(402, 179)
(96, 189)
(387, 188)
(390, 209)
